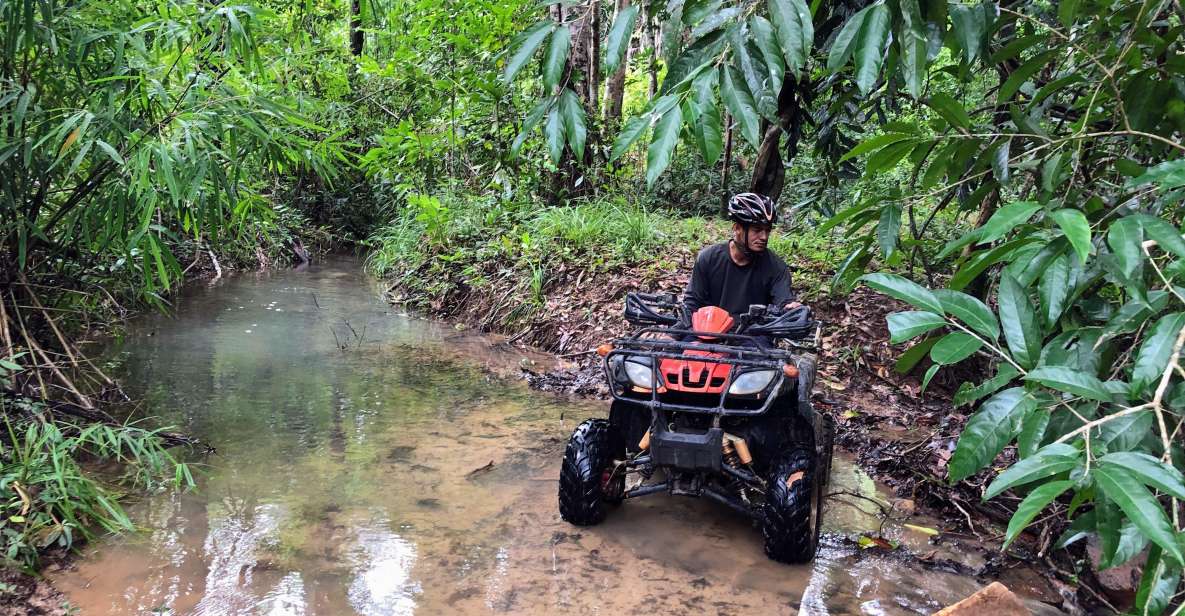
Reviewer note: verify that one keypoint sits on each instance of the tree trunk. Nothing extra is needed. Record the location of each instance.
(594, 46)
(769, 171)
(356, 28)
(615, 88)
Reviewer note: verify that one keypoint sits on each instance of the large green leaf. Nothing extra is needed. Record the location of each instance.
(913, 45)
(630, 133)
(913, 355)
(1032, 431)
(1149, 471)
(954, 348)
(987, 432)
(846, 41)
(1155, 351)
(969, 25)
(1070, 381)
(972, 312)
(1158, 584)
(740, 103)
(532, 120)
(969, 393)
(905, 290)
(876, 143)
(906, 325)
(556, 57)
(666, 135)
(574, 126)
(1165, 234)
(1032, 505)
(950, 109)
(530, 42)
(1140, 507)
(707, 128)
(888, 229)
(1005, 219)
(1073, 223)
(1018, 77)
(714, 21)
(870, 46)
(1124, 433)
(1125, 238)
(1054, 290)
(554, 131)
(796, 32)
(771, 56)
(1021, 329)
(618, 39)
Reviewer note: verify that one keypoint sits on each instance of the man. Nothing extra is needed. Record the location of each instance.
(742, 271)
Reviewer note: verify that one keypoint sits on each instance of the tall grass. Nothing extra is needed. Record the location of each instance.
(51, 489)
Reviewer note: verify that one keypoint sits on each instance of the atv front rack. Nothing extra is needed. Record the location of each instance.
(744, 354)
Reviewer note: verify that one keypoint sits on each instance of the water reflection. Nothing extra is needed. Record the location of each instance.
(382, 581)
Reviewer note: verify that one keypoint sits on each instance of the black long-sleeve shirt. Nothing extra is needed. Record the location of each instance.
(716, 280)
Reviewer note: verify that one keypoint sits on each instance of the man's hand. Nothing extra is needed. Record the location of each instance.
(792, 305)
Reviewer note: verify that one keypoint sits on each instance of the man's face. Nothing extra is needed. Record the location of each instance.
(755, 238)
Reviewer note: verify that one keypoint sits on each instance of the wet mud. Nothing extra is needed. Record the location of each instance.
(373, 463)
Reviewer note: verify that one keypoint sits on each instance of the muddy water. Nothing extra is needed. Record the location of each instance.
(397, 476)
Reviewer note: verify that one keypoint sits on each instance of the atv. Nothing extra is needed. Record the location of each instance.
(710, 405)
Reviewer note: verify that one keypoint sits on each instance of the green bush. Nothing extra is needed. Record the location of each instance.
(52, 497)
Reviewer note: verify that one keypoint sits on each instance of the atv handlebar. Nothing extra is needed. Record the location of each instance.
(665, 310)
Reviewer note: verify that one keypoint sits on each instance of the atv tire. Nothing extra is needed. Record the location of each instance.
(589, 479)
(792, 514)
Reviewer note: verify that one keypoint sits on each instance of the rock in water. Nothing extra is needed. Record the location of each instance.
(994, 599)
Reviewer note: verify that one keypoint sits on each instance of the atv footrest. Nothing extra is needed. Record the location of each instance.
(687, 450)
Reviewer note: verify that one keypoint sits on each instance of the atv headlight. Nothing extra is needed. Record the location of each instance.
(751, 382)
(639, 374)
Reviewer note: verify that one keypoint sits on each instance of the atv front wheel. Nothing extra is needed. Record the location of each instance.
(792, 515)
(589, 478)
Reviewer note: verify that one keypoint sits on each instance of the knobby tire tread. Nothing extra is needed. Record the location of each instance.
(582, 502)
(786, 515)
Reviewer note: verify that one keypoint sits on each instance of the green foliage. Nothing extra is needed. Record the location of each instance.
(51, 500)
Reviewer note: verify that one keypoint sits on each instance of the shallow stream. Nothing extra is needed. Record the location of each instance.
(371, 462)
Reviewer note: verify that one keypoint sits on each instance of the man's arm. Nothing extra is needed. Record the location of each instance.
(781, 293)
